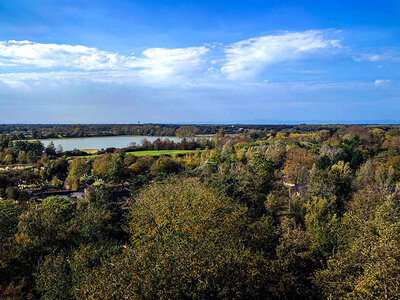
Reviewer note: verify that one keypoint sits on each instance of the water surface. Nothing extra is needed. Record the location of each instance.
(102, 142)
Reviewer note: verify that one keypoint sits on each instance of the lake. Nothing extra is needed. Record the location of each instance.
(102, 142)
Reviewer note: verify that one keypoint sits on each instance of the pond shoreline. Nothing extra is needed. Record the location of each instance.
(99, 136)
(103, 142)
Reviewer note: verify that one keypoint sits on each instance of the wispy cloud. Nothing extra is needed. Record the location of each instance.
(385, 55)
(250, 57)
(382, 82)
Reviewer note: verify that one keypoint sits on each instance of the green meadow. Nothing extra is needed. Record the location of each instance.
(147, 152)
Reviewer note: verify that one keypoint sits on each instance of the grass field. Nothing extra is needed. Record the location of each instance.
(91, 151)
(149, 152)
(161, 152)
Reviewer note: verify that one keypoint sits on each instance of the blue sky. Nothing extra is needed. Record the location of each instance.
(199, 61)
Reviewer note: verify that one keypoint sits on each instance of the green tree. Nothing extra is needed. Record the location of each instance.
(334, 182)
(12, 193)
(322, 226)
(186, 131)
(46, 227)
(76, 170)
(21, 157)
(108, 167)
(9, 212)
(50, 149)
(256, 180)
(367, 264)
(54, 279)
(31, 157)
(166, 165)
(142, 165)
(294, 263)
(9, 159)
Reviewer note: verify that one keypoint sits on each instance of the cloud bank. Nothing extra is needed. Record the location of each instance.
(30, 55)
(276, 76)
(242, 59)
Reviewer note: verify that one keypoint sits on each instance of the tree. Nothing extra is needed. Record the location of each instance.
(8, 160)
(186, 242)
(51, 149)
(130, 159)
(21, 157)
(322, 226)
(294, 264)
(323, 135)
(44, 229)
(186, 131)
(101, 166)
(142, 165)
(323, 162)
(146, 144)
(9, 212)
(60, 148)
(255, 181)
(334, 182)
(95, 232)
(54, 279)
(108, 167)
(77, 169)
(116, 169)
(166, 165)
(221, 132)
(12, 193)
(31, 157)
(367, 265)
(216, 156)
(394, 162)
(58, 168)
(298, 162)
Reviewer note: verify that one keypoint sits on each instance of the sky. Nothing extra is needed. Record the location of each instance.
(250, 61)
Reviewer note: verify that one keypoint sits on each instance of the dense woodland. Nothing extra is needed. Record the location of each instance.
(37, 131)
(274, 213)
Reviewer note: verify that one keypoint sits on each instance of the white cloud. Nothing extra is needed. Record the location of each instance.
(28, 54)
(37, 55)
(249, 57)
(238, 60)
(385, 55)
(381, 82)
(369, 57)
(162, 61)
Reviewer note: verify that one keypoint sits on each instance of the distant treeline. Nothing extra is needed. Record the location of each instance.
(42, 131)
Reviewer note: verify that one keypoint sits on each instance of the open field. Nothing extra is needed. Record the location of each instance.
(148, 152)
(161, 152)
(91, 151)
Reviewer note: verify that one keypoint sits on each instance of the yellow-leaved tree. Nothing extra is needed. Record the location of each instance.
(186, 242)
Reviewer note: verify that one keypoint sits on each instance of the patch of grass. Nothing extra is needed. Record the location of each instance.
(145, 153)
(91, 151)
(84, 156)
(160, 152)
